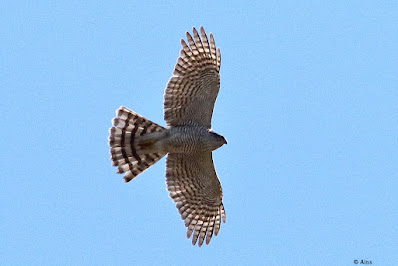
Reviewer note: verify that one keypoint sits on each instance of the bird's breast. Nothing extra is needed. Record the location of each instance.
(188, 139)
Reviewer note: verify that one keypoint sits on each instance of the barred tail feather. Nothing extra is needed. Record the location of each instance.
(126, 154)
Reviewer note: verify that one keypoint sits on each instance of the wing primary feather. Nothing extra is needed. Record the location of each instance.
(217, 224)
(192, 45)
(203, 230)
(213, 50)
(198, 43)
(210, 229)
(205, 42)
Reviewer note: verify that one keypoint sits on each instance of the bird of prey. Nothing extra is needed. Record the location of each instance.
(137, 143)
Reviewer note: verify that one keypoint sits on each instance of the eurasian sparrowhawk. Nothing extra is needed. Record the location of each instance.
(137, 143)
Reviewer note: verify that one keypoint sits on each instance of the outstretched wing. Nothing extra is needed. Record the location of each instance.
(196, 190)
(192, 90)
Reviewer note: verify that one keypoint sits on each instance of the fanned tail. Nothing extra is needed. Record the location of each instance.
(126, 151)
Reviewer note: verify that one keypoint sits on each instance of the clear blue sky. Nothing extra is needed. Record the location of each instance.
(308, 104)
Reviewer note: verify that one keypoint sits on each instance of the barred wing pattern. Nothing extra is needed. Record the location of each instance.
(137, 143)
(192, 90)
(196, 190)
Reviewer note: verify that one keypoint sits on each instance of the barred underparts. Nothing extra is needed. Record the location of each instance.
(137, 143)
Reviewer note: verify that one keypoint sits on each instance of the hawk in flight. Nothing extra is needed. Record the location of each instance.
(137, 143)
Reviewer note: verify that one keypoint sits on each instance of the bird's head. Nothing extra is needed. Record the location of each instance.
(218, 139)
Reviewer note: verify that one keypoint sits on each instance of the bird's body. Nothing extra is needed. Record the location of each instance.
(189, 139)
(137, 143)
